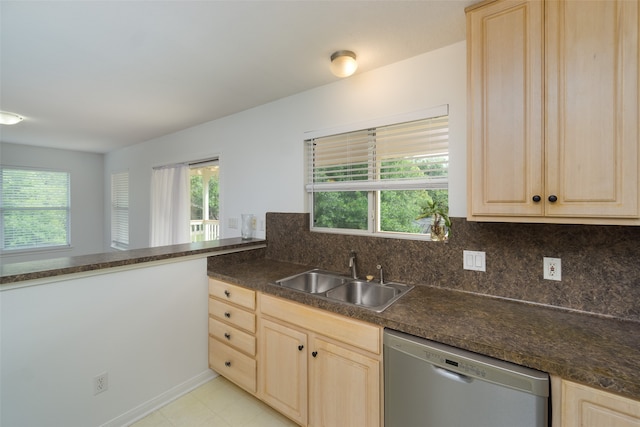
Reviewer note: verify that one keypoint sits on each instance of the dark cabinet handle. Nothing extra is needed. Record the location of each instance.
(553, 198)
(537, 198)
(314, 354)
(227, 335)
(227, 293)
(227, 364)
(300, 347)
(227, 314)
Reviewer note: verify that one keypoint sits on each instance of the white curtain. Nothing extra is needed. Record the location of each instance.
(170, 200)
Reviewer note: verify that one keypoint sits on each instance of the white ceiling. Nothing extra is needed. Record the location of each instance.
(100, 75)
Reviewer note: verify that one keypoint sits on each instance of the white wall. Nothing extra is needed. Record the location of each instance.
(87, 195)
(147, 328)
(261, 150)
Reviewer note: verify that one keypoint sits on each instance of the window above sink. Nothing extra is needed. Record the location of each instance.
(379, 179)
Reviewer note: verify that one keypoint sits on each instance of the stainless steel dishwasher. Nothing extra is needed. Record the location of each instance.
(428, 384)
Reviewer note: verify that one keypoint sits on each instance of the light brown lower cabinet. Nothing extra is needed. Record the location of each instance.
(344, 386)
(318, 368)
(283, 369)
(583, 406)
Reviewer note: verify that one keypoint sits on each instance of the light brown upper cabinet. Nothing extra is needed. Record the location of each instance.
(553, 111)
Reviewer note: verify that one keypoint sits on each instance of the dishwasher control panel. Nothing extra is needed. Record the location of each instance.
(447, 362)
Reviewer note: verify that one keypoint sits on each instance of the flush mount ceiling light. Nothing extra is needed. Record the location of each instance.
(7, 118)
(343, 63)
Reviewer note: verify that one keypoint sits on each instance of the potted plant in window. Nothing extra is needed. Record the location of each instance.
(440, 221)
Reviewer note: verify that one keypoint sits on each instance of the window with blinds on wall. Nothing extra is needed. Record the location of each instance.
(34, 208)
(379, 179)
(120, 210)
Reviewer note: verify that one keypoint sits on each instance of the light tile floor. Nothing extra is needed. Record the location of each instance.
(217, 403)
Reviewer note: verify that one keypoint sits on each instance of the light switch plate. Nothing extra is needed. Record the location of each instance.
(474, 260)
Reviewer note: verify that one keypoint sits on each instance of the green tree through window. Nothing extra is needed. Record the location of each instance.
(34, 208)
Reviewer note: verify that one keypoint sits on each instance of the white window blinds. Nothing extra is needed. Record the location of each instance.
(120, 210)
(410, 155)
(34, 208)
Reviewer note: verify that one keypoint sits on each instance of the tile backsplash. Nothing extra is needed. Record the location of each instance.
(600, 264)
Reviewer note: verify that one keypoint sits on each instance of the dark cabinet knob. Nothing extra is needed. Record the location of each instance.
(553, 198)
(227, 364)
(300, 347)
(227, 314)
(537, 198)
(227, 335)
(227, 293)
(314, 354)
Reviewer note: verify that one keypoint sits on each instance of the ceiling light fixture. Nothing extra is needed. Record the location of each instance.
(7, 118)
(343, 63)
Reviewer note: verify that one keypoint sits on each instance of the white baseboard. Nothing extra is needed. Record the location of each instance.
(154, 404)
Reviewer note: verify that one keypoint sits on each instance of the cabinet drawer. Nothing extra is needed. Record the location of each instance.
(233, 365)
(350, 331)
(234, 337)
(233, 293)
(233, 315)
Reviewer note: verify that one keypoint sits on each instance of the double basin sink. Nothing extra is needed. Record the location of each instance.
(337, 288)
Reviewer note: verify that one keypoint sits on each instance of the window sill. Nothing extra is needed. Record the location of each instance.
(382, 234)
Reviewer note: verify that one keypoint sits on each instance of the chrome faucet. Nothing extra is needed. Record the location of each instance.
(352, 265)
(379, 267)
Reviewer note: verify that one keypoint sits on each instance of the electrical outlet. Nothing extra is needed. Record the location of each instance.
(100, 383)
(552, 269)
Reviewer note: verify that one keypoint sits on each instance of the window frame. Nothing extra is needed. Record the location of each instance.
(3, 209)
(117, 208)
(373, 194)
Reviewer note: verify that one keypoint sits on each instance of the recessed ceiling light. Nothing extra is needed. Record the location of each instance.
(7, 118)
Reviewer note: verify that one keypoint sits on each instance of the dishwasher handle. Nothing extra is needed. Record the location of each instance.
(455, 376)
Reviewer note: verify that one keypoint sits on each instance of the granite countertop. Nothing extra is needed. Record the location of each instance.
(12, 274)
(598, 351)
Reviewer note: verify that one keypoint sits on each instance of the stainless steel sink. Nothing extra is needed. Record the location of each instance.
(369, 294)
(313, 282)
(343, 289)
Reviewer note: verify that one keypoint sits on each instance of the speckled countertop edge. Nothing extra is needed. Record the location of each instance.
(32, 270)
(597, 351)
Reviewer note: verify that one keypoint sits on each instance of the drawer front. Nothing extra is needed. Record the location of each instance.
(232, 315)
(349, 331)
(233, 365)
(234, 337)
(232, 293)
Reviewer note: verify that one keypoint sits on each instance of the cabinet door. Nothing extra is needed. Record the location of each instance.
(283, 369)
(587, 407)
(344, 387)
(592, 108)
(505, 108)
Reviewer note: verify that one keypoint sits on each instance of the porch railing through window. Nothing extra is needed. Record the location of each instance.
(203, 230)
